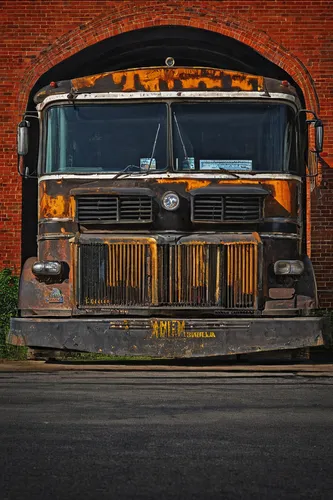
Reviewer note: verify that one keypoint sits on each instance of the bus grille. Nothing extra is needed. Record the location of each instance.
(222, 208)
(142, 274)
(107, 209)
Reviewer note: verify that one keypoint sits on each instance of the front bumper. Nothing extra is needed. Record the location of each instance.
(159, 337)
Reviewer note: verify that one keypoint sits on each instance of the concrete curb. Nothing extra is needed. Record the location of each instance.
(313, 370)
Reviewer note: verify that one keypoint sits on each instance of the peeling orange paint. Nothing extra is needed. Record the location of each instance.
(282, 194)
(87, 81)
(190, 183)
(283, 200)
(171, 79)
(56, 206)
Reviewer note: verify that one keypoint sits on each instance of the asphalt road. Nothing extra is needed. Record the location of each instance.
(163, 435)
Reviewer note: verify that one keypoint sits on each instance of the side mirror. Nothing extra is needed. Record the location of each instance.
(319, 135)
(319, 129)
(22, 138)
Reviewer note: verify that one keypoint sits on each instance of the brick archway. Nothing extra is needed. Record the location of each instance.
(125, 17)
(128, 17)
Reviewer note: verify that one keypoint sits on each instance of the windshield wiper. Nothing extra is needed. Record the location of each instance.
(143, 172)
(181, 141)
(186, 159)
(154, 146)
(226, 171)
(125, 171)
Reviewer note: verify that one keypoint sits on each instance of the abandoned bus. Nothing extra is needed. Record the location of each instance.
(171, 218)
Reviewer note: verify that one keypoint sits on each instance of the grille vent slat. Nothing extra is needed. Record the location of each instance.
(225, 208)
(240, 208)
(208, 208)
(193, 275)
(114, 209)
(115, 274)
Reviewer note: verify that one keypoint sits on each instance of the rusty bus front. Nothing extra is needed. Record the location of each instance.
(171, 217)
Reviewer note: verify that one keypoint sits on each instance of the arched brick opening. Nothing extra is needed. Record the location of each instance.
(126, 17)
(123, 21)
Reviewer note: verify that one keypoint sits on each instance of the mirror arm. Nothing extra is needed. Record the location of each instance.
(27, 115)
(25, 174)
(19, 165)
(311, 176)
(315, 117)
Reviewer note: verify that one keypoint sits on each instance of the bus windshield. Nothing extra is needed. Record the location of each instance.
(106, 137)
(231, 136)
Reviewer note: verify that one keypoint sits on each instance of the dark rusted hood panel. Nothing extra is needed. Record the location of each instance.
(57, 198)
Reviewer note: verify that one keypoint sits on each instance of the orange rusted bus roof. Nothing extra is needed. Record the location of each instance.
(165, 79)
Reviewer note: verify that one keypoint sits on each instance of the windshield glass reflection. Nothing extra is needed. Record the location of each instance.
(107, 138)
(229, 137)
(234, 136)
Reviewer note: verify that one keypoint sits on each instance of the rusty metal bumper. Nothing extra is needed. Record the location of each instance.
(158, 337)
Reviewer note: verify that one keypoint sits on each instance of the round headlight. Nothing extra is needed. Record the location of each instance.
(170, 201)
(288, 267)
(51, 268)
(282, 267)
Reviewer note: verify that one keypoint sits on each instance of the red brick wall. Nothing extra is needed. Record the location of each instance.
(37, 34)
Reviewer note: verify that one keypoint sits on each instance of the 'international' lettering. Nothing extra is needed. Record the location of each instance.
(176, 329)
(200, 335)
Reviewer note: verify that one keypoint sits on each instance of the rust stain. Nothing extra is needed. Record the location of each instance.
(281, 202)
(154, 273)
(134, 251)
(170, 79)
(125, 240)
(189, 183)
(282, 194)
(87, 81)
(56, 206)
(242, 272)
(35, 293)
(238, 182)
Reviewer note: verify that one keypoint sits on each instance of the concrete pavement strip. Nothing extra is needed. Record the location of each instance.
(313, 370)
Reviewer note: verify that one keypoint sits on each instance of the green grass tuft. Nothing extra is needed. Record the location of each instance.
(9, 286)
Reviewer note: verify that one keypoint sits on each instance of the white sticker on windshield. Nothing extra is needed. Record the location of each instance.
(243, 165)
(145, 162)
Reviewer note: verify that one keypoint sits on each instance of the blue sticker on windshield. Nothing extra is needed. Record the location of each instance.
(243, 165)
(188, 163)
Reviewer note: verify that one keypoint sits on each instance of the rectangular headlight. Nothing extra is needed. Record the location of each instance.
(295, 267)
(47, 268)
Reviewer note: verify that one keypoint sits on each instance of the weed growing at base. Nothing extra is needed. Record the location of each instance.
(9, 285)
